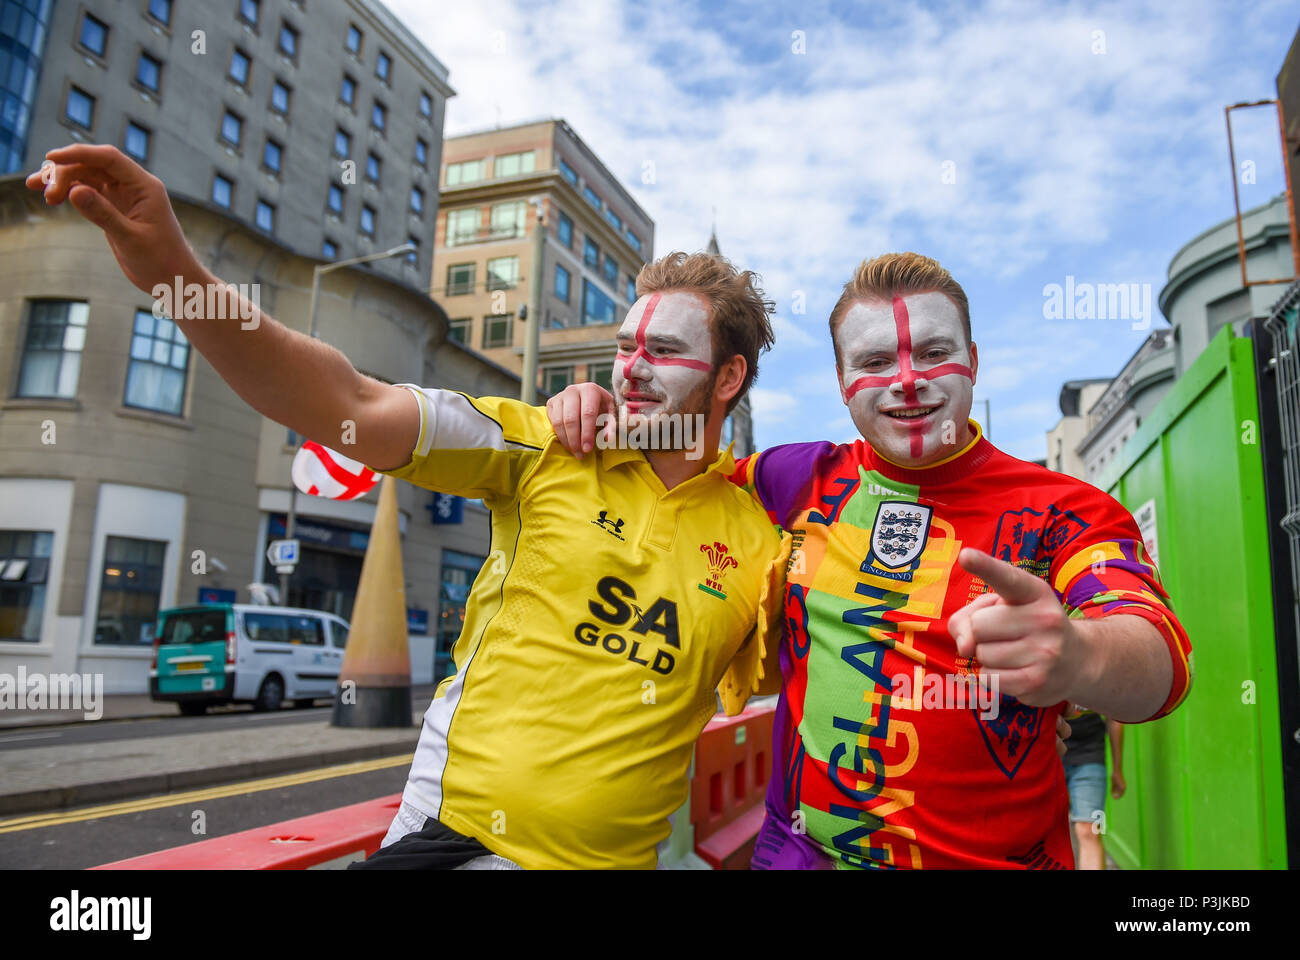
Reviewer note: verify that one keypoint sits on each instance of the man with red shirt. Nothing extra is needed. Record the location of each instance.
(923, 556)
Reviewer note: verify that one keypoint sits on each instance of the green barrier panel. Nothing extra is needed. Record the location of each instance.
(1205, 783)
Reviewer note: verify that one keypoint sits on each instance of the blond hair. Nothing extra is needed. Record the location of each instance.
(898, 275)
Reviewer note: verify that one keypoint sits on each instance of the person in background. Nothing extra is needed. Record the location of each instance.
(1085, 778)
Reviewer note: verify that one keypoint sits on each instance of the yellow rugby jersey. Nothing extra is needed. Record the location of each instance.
(595, 635)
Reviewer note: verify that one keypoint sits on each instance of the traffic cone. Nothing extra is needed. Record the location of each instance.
(375, 679)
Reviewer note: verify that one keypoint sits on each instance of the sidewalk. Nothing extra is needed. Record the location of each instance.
(139, 706)
(47, 778)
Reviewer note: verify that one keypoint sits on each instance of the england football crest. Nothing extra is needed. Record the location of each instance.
(898, 534)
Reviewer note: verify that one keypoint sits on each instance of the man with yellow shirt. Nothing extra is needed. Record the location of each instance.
(621, 587)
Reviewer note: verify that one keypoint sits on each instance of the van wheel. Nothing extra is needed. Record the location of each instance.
(270, 695)
(193, 709)
(304, 703)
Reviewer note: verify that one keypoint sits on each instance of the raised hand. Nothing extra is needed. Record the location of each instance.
(573, 412)
(1019, 633)
(127, 202)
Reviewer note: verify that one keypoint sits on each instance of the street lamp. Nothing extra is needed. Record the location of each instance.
(317, 272)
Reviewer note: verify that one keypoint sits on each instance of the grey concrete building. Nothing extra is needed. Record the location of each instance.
(1204, 293)
(319, 123)
(133, 478)
(1075, 400)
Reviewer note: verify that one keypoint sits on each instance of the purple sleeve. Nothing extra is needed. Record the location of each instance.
(783, 477)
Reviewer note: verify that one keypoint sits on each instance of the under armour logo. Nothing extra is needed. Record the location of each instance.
(612, 527)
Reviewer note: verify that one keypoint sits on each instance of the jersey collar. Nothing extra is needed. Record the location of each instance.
(955, 467)
(616, 456)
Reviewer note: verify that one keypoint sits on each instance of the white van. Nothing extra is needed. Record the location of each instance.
(215, 653)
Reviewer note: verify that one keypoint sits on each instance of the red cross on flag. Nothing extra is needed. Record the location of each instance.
(321, 472)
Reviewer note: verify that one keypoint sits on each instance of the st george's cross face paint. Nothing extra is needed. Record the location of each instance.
(664, 363)
(908, 376)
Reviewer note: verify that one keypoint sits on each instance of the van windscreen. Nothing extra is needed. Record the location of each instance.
(195, 626)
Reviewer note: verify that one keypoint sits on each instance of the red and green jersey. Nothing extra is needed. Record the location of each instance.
(879, 763)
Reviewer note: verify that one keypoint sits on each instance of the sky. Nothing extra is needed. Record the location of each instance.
(1019, 144)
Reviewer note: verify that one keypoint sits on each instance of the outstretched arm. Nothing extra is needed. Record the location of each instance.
(289, 377)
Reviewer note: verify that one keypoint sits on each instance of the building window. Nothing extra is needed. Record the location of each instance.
(383, 65)
(81, 107)
(555, 379)
(288, 41)
(631, 289)
(334, 200)
(458, 329)
(564, 229)
(329, 249)
(498, 331)
(601, 374)
(378, 116)
(348, 91)
(413, 256)
(280, 98)
(728, 430)
(239, 64)
(373, 166)
(426, 105)
(502, 273)
(342, 144)
(611, 270)
(222, 191)
(94, 35)
(353, 42)
(590, 252)
(148, 72)
(160, 354)
(265, 216)
(463, 225)
(592, 197)
(508, 219)
(130, 591)
(272, 155)
(161, 10)
(634, 241)
(513, 164)
(596, 306)
(56, 334)
(467, 171)
(368, 222)
(460, 279)
(417, 200)
(248, 11)
(568, 172)
(232, 127)
(137, 142)
(562, 282)
(614, 219)
(421, 153)
(24, 567)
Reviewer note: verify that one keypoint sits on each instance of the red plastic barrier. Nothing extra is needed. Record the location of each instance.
(733, 760)
(291, 845)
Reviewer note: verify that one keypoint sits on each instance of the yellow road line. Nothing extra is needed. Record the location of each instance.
(39, 820)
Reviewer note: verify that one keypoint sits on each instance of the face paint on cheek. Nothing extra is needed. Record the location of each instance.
(907, 375)
(640, 352)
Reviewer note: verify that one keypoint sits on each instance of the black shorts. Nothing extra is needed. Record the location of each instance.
(435, 847)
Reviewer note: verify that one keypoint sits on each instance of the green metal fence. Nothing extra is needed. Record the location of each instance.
(1205, 784)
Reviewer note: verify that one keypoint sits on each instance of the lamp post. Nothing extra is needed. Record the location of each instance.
(532, 332)
(317, 272)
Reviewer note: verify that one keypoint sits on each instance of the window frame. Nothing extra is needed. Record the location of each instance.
(133, 360)
(25, 347)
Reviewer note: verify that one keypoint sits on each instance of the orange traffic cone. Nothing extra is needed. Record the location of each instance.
(375, 679)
